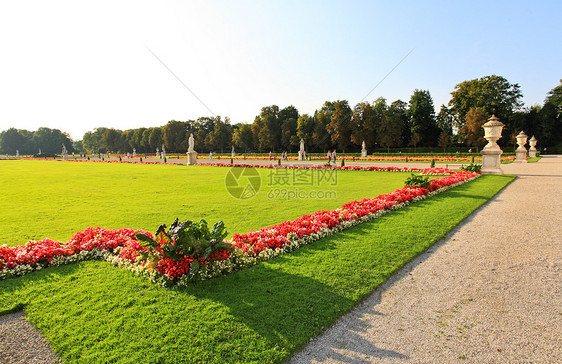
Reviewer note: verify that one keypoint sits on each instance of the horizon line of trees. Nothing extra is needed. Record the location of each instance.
(335, 125)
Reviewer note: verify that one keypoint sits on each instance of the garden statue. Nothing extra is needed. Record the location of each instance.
(191, 143)
(157, 152)
(163, 151)
(191, 153)
(301, 151)
(134, 152)
(363, 150)
(232, 154)
(64, 152)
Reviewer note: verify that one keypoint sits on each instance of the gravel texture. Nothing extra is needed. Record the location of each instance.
(21, 343)
(490, 292)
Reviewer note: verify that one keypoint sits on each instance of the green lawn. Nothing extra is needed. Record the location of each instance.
(93, 312)
(56, 199)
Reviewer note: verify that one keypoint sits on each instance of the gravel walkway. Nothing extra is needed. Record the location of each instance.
(473, 297)
(21, 343)
(491, 292)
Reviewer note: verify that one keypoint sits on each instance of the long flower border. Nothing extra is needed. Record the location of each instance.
(121, 248)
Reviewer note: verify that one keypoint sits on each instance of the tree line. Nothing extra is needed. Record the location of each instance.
(380, 124)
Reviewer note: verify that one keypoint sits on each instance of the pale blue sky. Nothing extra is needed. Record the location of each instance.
(77, 65)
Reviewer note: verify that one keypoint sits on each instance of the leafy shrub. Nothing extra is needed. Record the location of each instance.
(472, 168)
(184, 239)
(417, 181)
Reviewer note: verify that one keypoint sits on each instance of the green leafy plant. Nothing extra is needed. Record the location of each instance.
(184, 239)
(472, 168)
(417, 181)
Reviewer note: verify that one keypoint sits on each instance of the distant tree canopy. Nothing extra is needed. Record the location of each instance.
(26, 142)
(335, 125)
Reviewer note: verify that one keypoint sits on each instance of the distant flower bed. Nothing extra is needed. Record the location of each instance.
(171, 266)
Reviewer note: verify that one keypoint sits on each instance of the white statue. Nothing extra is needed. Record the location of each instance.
(232, 154)
(191, 143)
(157, 152)
(363, 150)
(134, 152)
(302, 145)
(163, 151)
(64, 152)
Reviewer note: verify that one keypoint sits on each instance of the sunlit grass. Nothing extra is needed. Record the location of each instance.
(94, 312)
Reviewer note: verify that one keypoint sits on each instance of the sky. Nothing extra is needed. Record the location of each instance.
(78, 65)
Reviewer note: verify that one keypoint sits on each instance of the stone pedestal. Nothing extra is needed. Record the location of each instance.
(491, 161)
(191, 158)
(521, 155)
(301, 155)
(533, 150)
(363, 154)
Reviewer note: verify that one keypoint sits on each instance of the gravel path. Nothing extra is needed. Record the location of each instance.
(490, 292)
(21, 343)
(480, 298)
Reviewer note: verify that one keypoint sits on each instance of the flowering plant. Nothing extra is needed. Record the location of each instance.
(187, 241)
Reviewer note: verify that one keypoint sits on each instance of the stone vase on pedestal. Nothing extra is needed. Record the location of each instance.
(492, 152)
(521, 152)
(533, 150)
(191, 158)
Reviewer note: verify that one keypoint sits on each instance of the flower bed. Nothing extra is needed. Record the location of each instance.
(122, 249)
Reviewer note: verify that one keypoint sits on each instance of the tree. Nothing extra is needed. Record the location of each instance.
(112, 140)
(51, 140)
(155, 138)
(320, 136)
(363, 125)
(242, 137)
(266, 129)
(422, 117)
(12, 140)
(445, 121)
(389, 129)
(494, 94)
(288, 120)
(472, 129)
(221, 136)
(415, 140)
(550, 120)
(339, 126)
(305, 128)
(289, 136)
(444, 140)
(174, 134)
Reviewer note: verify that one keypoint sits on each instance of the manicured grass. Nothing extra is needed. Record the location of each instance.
(533, 159)
(56, 199)
(93, 312)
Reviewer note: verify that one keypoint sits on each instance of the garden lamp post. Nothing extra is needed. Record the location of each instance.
(521, 152)
(533, 150)
(492, 151)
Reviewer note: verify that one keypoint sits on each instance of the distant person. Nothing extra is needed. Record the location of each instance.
(270, 155)
(334, 156)
(544, 150)
(210, 155)
(329, 155)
